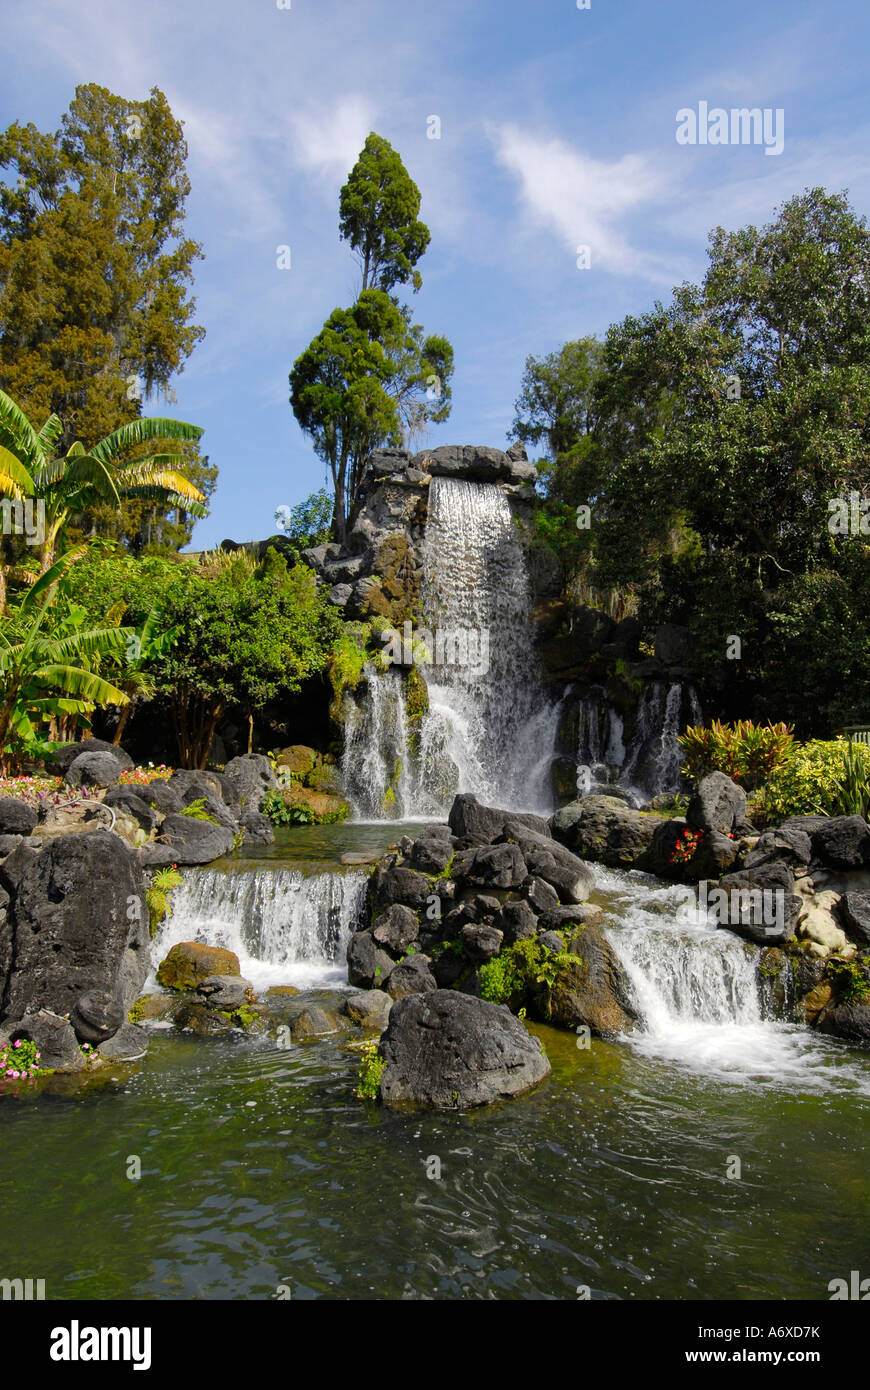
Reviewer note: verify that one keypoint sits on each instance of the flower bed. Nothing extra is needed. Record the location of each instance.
(51, 791)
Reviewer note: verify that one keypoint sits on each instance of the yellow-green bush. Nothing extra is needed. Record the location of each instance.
(815, 779)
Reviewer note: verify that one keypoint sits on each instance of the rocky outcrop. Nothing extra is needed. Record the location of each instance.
(604, 828)
(450, 1051)
(79, 925)
(592, 991)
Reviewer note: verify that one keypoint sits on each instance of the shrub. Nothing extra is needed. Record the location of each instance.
(822, 777)
(747, 752)
(371, 1069)
(157, 896)
(525, 967)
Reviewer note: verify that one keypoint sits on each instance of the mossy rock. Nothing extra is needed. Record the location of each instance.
(325, 778)
(153, 1008)
(299, 760)
(416, 694)
(323, 808)
(190, 962)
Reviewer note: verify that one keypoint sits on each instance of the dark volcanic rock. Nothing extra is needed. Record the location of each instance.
(451, 1051)
(185, 840)
(389, 885)
(368, 967)
(604, 828)
(97, 1015)
(54, 1038)
(411, 976)
(595, 993)
(93, 770)
(855, 912)
(481, 942)
(249, 776)
(64, 757)
(161, 796)
(493, 866)
(81, 924)
(480, 825)
(126, 800)
(257, 827)
(396, 928)
(783, 846)
(516, 922)
(843, 842)
(16, 817)
(717, 804)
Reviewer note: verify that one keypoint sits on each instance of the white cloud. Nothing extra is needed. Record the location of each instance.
(328, 140)
(583, 200)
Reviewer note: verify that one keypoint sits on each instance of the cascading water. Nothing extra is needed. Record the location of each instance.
(490, 728)
(286, 927)
(600, 747)
(654, 756)
(700, 996)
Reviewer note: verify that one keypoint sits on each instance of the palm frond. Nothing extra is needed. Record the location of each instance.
(19, 430)
(15, 480)
(138, 431)
(72, 680)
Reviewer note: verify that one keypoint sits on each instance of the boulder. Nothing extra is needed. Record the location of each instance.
(516, 921)
(785, 845)
(855, 913)
(127, 1045)
(594, 993)
(492, 866)
(846, 1020)
(451, 1051)
(480, 825)
(313, 1022)
(81, 924)
(539, 895)
(560, 919)
(54, 1038)
(63, 758)
(431, 852)
(842, 842)
(93, 770)
(126, 800)
(299, 760)
(674, 645)
(161, 796)
(571, 885)
(185, 840)
(190, 963)
(411, 976)
(257, 827)
(389, 885)
(225, 992)
(250, 775)
(396, 928)
(714, 853)
(96, 1016)
(717, 804)
(16, 817)
(368, 967)
(606, 829)
(481, 943)
(15, 865)
(8, 843)
(369, 1008)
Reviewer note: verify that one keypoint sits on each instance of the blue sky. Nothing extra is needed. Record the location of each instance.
(558, 129)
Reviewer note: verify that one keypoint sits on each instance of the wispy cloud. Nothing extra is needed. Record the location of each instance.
(585, 201)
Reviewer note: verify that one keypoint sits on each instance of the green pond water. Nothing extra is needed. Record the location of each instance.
(261, 1171)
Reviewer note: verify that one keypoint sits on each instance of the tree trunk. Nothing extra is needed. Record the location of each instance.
(122, 723)
(250, 733)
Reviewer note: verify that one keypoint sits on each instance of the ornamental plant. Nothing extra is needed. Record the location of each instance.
(744, 751)
(19, 1061)
(685, 848)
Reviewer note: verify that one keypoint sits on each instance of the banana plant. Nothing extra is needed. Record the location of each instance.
(65, 486)
(43, 675)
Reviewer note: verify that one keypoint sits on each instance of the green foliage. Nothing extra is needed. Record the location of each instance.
(280, 813)
(19, 1061)
(745, 751)
(812, 781)
(371, 1070)
(378, 209)
(158, 895)
(196, 811)
(556, 395)
(853, 792)
(850, 978)
(95, 312)
(721, 425)
(525, 967)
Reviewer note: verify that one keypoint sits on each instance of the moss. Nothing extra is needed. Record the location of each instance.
(371, 1070)
(416, 694)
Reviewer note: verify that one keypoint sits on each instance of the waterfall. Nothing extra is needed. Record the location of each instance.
(286, 927)
(655, 757)
(490, 727)
(600, 746)
(700, 996)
